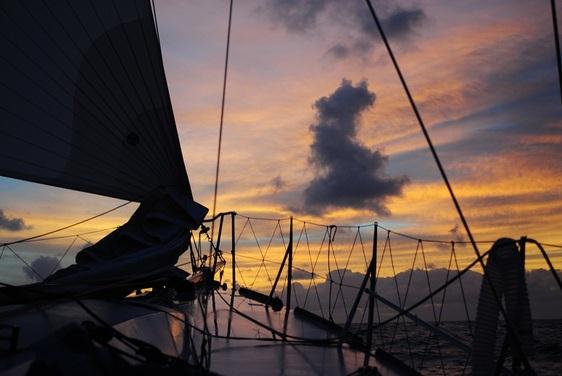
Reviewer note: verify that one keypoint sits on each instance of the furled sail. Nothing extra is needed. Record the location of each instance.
(84, 102)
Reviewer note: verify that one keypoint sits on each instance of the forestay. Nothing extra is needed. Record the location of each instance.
(84, 102)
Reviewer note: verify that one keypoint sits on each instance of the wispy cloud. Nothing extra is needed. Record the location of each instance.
(295, 15)
(349, 174)
(353, 19)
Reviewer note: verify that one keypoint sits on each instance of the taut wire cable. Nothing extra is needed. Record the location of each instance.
(222, 116)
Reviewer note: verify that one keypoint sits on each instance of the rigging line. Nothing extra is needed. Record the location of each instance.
(25, 262)
(552, 245)
(73, 235)
(557, 44)
(155, 21)
(313, 274)
(54, 268)
(66, 227)
(327, 225)
(154, 76)
(312, 281)
(272, 330)
(424, 130)
(271, 219)
(175, 140)
(126, 340)
(432, 305)
(435, 292)
(509, 325)
(222, 114)
(412, 237)
(345, 272)
(153, 31)
(295, 341)
(462, 290)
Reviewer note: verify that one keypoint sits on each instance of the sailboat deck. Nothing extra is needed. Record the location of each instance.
(250, 348)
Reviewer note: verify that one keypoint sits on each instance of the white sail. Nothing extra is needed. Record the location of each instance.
(84, 102)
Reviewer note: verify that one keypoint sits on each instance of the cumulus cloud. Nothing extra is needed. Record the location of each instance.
(41, 268)
(12, 224)
(354, 19)
(349, 174)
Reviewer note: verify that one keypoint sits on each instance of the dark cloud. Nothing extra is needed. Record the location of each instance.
(349, 175)
(12, 224)
(295, 15)
(339, 51)
(354, 18)
(41, 268)
(456, 234)
(398, 25)
(401, 23)
(277, 183)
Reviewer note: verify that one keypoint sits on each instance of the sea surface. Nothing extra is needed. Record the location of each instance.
(431, 355)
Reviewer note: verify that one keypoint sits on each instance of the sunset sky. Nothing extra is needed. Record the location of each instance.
(318, 126)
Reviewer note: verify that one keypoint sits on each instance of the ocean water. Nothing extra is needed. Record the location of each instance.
(431, 355)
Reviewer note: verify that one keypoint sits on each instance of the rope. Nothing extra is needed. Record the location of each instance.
(155, 21)
(66, 227)
(222, 114)
(312, 274)
(423, 128)
(73, 235)
(445, 178)
(54, 268)
(407, 236)
(25, 262)
(435, 292)
(557, 44)
(462, 289)
(263, 255)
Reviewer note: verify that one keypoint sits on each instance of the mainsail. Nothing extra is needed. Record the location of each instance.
(84, 102)
(84, 105)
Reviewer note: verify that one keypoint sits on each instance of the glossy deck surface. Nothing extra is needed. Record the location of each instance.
(254, 350)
